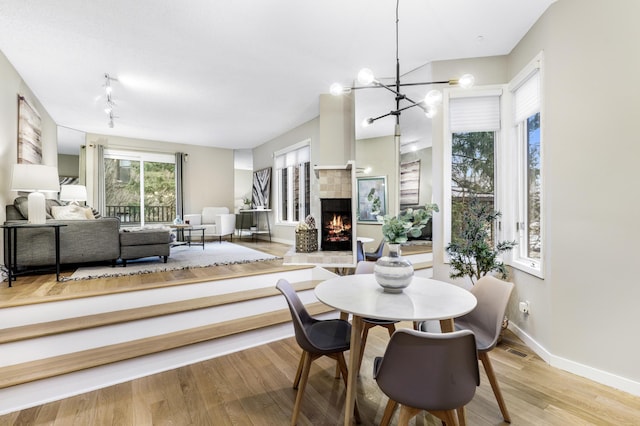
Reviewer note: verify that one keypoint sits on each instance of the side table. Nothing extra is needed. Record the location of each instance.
(11, 244)
(256, 212)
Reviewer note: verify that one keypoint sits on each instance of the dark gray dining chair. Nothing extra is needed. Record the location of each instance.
(366, 267)
(376, 254)
(435, 372)
(486, 322)
(316, 338)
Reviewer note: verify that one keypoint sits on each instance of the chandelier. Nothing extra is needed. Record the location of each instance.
(429, 104)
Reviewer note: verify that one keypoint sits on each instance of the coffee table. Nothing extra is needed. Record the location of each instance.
(188, 240)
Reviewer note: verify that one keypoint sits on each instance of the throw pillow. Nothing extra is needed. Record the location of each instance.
(21, 204)
(70, 212)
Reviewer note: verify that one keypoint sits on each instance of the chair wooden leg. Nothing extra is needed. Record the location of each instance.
(406, 414)
(462, 418)
(296, 381)
(448, 417)
(388, 412)
(488, 368)
(365, 334)
(342, 365)
(303, 383)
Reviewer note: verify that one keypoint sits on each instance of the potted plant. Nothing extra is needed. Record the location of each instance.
(393, 272)
(474, 254)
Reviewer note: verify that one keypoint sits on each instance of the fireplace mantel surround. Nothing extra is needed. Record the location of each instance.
(333, 182)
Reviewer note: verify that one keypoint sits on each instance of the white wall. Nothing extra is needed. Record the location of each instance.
(582, 312)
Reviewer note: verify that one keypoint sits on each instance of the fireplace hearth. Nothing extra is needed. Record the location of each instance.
(336, 217)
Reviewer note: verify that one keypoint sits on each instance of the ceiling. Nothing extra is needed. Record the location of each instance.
(236, 74)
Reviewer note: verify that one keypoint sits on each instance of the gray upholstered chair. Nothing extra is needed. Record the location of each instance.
(486, 323)
(365, 267)
(436, 372)
(316, 338)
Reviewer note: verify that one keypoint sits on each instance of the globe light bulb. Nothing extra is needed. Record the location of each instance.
(336, 89)
(431, 111)
(466, 81)
(365, 76)
(433, 98)
(366, 122)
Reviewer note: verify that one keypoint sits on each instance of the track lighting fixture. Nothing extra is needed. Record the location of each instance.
(110, 104)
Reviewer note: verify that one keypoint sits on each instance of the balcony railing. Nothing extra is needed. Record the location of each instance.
(152, 214)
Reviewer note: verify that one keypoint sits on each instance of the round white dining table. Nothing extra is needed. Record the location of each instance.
(360, 295)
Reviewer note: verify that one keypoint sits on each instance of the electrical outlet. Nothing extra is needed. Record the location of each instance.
(524, 307)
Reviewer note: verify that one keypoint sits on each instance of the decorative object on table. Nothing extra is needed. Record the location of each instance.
(474, 254)
(177, 221)
(35, 179)
(372, 198)
(393, 272)
(29, 133)
(247, 202)
(261, 187)
(307, 236)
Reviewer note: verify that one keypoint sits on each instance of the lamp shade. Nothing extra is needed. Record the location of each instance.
(73, 193)
(35, 178)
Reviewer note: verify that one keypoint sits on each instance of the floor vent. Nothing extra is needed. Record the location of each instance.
(516, 352)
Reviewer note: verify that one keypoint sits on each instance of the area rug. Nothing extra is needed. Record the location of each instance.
(182, 257)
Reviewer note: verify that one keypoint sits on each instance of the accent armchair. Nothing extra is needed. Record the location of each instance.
(217, 221)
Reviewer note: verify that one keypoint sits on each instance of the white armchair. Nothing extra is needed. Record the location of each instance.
(216, 221)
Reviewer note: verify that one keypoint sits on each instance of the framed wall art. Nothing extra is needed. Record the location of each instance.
(261, 188)
(372, 198)
(410, 183)
(29, 133)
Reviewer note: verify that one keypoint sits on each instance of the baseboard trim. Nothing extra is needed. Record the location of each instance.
(591, 373)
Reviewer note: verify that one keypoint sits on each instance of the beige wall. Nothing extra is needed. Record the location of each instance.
(12, 85)
(208, 173)
(582, 311)
(590, 155)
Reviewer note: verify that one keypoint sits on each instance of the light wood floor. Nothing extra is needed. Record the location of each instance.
(253, 387)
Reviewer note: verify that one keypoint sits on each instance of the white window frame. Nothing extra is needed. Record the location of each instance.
(278, 192)
(518, 155)
(493, 90)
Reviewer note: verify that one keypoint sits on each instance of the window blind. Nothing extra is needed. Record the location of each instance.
(474, 114)
(526, 98)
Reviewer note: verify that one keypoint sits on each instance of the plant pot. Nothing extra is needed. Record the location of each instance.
(393, 272)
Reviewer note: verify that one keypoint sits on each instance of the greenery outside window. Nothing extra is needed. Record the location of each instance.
(140, 188)
(473, 132)
(293, 183)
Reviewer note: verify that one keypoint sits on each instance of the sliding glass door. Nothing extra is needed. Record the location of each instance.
(140, 187)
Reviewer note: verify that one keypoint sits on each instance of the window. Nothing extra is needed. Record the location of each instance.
(293, 183)
(140, 187)
(529, 190)
(474, 124)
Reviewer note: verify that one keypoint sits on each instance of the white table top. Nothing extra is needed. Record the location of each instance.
(424, 299)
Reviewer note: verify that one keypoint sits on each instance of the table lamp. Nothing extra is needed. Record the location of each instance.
(35, 179)
(73, 193)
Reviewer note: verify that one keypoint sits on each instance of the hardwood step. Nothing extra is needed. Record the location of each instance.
(115, 317)
(68, 363)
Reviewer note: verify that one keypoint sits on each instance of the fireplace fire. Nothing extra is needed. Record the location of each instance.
(336, 224)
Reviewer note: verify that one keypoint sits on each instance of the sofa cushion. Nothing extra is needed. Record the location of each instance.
(71, 212)
(144, 237)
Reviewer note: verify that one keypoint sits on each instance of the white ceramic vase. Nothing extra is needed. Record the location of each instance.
(393, 272)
